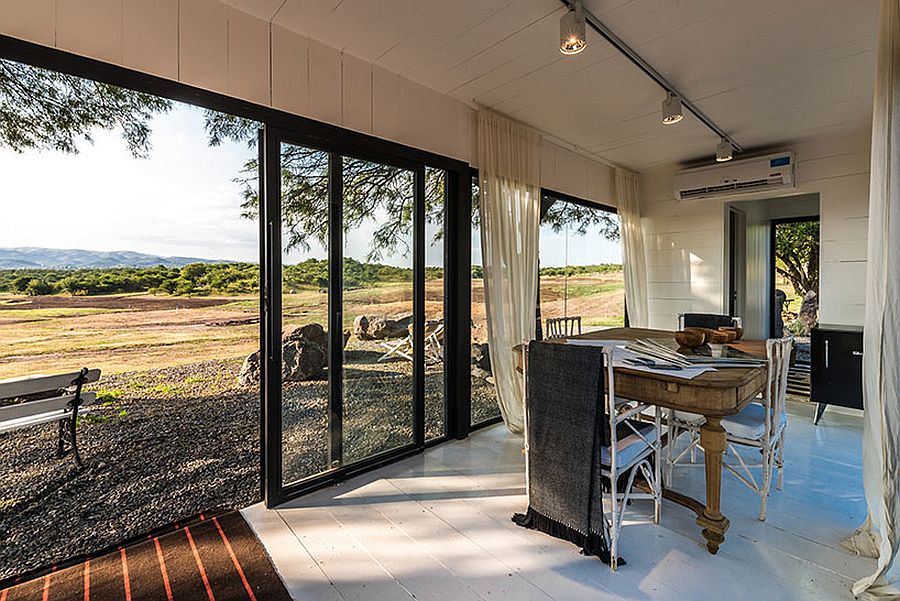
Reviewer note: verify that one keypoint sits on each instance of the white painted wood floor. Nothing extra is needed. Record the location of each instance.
(437, 526)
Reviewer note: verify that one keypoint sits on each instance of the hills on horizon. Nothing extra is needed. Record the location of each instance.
(70, 258)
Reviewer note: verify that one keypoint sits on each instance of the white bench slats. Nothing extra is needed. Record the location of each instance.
(18, 387)
(36, 420)
(36, 408)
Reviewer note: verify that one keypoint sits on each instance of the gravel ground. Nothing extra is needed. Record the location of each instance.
(182, 440)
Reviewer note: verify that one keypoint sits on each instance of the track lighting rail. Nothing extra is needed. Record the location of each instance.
(598, 26)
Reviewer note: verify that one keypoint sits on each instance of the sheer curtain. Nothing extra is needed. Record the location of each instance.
(879, 536)
(510, 203)
(632, 249)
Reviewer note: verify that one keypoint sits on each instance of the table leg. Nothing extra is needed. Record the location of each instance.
(714, 524)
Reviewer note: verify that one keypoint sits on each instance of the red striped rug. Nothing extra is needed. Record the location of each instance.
(213, 559)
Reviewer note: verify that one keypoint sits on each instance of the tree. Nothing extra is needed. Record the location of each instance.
(370, 189)
(797, 254)
(44, 109)
(48, 110)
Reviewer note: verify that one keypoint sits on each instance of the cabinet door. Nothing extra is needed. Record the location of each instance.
(846, 350)
(821, 367)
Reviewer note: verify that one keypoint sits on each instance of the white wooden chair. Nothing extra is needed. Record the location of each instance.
(403, 348)
(761, 426)
(563, 327)
(632, 443)
(678, 423)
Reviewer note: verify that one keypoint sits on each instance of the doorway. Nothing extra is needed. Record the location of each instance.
(794, 269)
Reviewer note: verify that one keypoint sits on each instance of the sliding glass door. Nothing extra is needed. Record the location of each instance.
(378, 308)
(345, 321)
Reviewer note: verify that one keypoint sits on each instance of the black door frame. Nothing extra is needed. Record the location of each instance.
(455, 365)
(338, 141)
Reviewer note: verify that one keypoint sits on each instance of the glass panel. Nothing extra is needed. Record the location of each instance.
(304, 208)
(581, 265)
(484, 395)
(378, 308)
(435, 404)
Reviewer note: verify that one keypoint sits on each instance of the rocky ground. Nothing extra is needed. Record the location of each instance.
(170, 443)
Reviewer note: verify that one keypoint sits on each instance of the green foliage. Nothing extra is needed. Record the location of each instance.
(797, 254)
(111, 402)
(571, 270)
(48, 110)
(798, 328)
(197, 279)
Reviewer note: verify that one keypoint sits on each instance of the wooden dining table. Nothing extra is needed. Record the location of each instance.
(714, 394)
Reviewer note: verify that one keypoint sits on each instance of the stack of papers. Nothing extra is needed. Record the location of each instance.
(638, 361)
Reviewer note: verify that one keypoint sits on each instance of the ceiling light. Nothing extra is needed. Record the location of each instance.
(572, 38)
(724, 151)
(671, 109)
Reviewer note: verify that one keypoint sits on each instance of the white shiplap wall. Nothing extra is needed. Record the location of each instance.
(685, 241)
(214, 46)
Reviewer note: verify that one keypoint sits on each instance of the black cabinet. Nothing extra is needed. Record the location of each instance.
(836, 367)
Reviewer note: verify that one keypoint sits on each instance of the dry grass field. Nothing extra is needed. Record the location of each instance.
(136, 332)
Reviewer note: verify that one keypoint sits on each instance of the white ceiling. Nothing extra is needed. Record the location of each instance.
(769, 72)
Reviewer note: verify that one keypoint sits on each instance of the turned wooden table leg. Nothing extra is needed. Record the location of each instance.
(714, 524)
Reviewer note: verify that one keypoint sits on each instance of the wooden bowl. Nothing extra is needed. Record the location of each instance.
(690, 338)
(721, 336)
(738, 332)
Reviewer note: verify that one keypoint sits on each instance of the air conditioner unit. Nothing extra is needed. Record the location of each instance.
(760, 174)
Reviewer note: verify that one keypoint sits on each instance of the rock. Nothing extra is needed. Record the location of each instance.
(481, 357)
(249, 374)
(809, 310)
(313, 332)
(361, 327)
(302, 360)
(381, 328)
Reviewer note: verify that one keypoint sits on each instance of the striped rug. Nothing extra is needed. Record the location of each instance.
(212, 559)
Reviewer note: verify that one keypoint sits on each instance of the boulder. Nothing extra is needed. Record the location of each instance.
(809, 310)
(249, 374)
(302, 360)
(361, 327)
(311, 331)
(381, 328)
(304, 356)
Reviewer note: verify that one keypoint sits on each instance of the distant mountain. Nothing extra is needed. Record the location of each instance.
(65, 258)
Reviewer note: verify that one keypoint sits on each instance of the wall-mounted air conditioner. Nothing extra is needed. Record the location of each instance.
(760, 174)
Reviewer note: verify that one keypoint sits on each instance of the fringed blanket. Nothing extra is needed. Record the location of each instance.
(565, 428)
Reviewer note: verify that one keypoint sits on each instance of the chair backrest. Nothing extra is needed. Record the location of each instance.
(705, 320)
(778, 353)
(562, 327)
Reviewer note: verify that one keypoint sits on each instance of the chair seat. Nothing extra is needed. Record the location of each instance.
(749, 424)
(681, 417)
(688, 418)
(632, 448)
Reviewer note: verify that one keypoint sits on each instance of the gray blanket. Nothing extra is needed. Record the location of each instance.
(565, 422)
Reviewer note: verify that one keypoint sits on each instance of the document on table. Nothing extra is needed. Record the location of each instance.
(623, 356)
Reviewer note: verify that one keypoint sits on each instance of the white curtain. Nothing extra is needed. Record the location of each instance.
(879, 536)
(632, 249)
(510, 202)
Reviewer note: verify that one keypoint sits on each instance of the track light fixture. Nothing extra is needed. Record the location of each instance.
(724, 151)
(572, 37)
(671, 109)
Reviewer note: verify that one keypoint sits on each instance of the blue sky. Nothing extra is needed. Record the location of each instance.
(179, 201)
